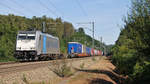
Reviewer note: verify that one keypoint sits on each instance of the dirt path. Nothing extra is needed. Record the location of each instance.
(99, 73)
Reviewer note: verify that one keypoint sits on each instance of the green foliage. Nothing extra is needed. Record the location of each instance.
(24, 79)
(124, 58)
(65, 71)
(81, 30)
(141, 73)
(61, 68)
(11, 24)
(131, 53)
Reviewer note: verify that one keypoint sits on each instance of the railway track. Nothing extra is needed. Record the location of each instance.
(10, 69)
(6, 63)
(6, 68)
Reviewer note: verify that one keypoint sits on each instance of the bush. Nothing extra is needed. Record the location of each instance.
(131, 53)
(141, 73)
(93, 59)
(82, 65)
(24, 79)
(61, 68)
(124, 59)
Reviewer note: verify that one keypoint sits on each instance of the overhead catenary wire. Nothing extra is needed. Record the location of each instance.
(12, 9)
(47, 8)
(52, 4)
(45, 5)
(15, 2)
(81, 7)
(60, 12)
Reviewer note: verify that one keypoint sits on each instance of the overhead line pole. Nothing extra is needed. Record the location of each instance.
(101, 42)
(93, 35)
(93, 27)
(44, 28)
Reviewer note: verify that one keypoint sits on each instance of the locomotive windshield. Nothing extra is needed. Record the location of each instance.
(31, 37)
(21, 37)
(26, 35)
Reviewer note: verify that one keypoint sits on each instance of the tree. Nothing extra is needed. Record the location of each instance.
(81, 30)
(132, 47)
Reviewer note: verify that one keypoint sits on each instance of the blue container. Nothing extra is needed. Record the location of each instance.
(88, 50)
(74, 48)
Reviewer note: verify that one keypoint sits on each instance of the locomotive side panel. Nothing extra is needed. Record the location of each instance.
(52, 45)
(48, 45)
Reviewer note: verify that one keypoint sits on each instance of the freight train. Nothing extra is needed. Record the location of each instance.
(35, 45)
(76, 49)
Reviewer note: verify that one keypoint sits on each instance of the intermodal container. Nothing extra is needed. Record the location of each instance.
(74, 48)
(88, 51)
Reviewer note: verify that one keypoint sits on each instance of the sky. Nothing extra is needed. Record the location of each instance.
(106, 14)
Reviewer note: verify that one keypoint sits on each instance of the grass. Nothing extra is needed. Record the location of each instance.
(24, 79)
(61, 68)
(7, 59)
(93, 59)
(82, 65)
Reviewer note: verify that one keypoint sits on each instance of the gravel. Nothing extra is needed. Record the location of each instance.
(39, 73)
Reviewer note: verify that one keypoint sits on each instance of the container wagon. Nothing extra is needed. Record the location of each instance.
(95, 52)
(35, 45)
(88, 51)
(99, 53)
(92, 52)
(74, 48)
(84, 52)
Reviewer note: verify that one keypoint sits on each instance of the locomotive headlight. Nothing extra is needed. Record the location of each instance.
(32, 48)
(18, 47)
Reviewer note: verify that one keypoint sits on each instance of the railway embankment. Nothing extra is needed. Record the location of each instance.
(101, 72)
(44, 72)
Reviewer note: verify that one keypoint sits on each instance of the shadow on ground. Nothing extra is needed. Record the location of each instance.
(112, 75)
(99, 81)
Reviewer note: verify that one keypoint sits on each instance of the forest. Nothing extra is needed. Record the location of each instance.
(131, 53)
(11, 24)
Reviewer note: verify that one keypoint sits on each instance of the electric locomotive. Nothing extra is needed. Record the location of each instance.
(35, 45)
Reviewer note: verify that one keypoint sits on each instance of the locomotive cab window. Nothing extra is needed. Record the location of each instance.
(31, 37)
(21, 37)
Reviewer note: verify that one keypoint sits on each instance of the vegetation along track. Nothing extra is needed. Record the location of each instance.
(17, 66)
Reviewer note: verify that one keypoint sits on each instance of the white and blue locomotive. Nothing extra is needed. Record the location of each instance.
(35, 45)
